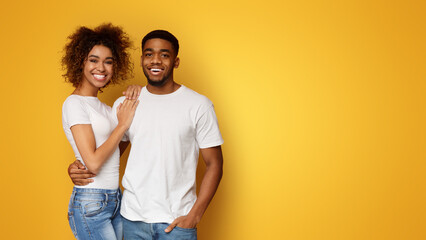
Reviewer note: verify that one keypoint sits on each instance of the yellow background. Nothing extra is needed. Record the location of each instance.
(321, 105)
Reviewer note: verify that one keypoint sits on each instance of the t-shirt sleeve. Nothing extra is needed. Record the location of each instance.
(207, 128)
(75, 112)
(114, 117)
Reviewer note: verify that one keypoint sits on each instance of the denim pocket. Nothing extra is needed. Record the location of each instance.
(184, 233)
(90, 209)
(72, 223)
(186, 229)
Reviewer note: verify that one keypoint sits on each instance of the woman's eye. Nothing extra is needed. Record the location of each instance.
(93, 60)
(109, 62)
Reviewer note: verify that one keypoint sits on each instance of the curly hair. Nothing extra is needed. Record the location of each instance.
(81, 43)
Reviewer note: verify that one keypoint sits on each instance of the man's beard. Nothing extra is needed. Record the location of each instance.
(156, 83)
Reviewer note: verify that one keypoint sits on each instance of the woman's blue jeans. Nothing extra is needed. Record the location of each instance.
(95, 214)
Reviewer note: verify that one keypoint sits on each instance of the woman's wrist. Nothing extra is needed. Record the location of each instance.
(122, 127)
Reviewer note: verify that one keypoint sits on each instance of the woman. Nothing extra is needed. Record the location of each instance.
(92, 60)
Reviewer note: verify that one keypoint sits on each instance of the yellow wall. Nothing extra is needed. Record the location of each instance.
(321, 105)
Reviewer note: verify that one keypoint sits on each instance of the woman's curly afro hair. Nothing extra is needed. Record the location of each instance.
(84, 39)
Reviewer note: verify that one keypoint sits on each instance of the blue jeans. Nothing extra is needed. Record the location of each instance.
(137, 230)
(95, 214)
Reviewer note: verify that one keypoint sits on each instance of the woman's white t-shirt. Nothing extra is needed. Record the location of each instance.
(90, 110)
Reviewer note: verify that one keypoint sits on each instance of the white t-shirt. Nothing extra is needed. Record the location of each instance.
(166, 135)
(89, 110)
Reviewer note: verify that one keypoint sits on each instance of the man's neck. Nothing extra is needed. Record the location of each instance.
(167, 88)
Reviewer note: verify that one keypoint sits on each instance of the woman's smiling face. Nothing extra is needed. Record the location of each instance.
(98, 66)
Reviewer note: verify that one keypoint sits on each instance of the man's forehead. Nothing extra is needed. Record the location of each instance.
(158, 44)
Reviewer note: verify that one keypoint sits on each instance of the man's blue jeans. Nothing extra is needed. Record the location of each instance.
(137, 230)
(95, 214)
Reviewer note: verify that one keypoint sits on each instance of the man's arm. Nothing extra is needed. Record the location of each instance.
(214, 169)
(79, 174)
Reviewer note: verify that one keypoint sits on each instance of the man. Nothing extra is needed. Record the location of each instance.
(171, 126)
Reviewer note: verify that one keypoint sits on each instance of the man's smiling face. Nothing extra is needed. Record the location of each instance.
(158, 61)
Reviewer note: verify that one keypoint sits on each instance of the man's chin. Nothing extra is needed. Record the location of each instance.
(156, 83)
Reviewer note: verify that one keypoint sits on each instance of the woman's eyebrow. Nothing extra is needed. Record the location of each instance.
(99, 57)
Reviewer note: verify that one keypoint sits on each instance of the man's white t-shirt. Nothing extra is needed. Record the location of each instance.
(166, 135)
(89, 110)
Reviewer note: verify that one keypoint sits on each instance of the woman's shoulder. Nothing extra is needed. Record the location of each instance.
(73, 98)
(74, 102)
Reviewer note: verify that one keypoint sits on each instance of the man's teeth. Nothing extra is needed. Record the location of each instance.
(155, 69)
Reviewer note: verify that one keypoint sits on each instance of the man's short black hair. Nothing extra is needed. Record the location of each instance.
(162, 34)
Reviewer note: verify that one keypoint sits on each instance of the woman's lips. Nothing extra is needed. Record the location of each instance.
(99, 77)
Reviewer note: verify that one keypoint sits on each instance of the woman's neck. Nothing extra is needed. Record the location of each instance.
(83, 90)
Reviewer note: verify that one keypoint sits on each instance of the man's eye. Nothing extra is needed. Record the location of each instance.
(165, 55)
(148, 54)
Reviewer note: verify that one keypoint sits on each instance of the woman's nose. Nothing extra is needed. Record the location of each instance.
(101, 67)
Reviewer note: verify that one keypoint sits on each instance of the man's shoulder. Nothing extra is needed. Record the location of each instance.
(196, 97)
(118, 101)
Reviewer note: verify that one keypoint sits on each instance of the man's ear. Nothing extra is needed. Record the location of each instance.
(177, 61)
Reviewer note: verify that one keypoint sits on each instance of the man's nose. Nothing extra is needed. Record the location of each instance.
(156, 59)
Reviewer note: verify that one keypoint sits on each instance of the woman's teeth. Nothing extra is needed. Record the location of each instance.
(97, 76)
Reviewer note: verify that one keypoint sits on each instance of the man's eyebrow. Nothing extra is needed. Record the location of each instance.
(152, 50)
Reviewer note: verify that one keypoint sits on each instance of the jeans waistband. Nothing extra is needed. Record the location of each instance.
(96, 194)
